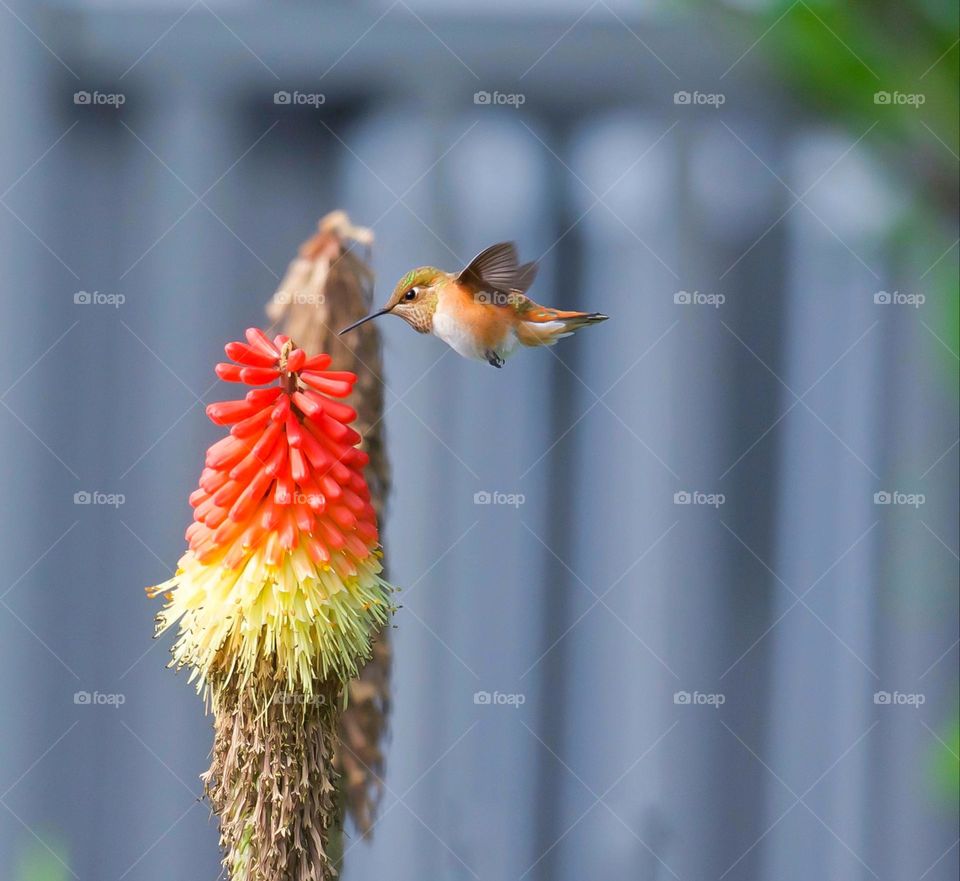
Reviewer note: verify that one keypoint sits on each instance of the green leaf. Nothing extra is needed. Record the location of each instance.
(43, 861)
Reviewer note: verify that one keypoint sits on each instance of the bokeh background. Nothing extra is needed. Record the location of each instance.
(763, 197)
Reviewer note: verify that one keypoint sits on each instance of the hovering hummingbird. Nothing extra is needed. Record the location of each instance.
(481, 312)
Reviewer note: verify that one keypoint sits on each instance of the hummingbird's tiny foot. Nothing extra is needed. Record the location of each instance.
(493, 358)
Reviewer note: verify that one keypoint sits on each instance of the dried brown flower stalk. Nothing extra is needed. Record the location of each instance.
(272, 782)
(326, 287)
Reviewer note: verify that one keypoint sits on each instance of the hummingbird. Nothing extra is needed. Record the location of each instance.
(481, 312)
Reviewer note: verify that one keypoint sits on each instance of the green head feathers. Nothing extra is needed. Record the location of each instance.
(422, 275)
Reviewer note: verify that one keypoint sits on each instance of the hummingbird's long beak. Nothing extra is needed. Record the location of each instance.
(372, 315)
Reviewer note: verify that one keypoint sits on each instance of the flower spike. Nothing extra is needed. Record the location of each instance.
(282, 574)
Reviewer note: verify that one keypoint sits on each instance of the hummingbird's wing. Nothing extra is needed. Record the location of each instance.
(525, 276)
(495, 269)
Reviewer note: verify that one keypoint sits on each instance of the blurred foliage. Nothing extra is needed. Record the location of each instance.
(840, 57)
(945, 765)
(42, 863)
(837, 56)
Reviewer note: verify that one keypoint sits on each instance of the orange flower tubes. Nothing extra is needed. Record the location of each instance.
(282, 576)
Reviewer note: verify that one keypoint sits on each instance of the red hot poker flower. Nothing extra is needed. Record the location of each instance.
(283, 557)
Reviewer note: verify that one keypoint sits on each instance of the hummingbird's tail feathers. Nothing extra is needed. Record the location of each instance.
(543, 327)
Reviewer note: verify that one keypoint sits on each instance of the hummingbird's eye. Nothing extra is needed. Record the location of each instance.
(411, 294)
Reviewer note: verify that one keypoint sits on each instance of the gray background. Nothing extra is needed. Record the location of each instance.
(598, 598)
